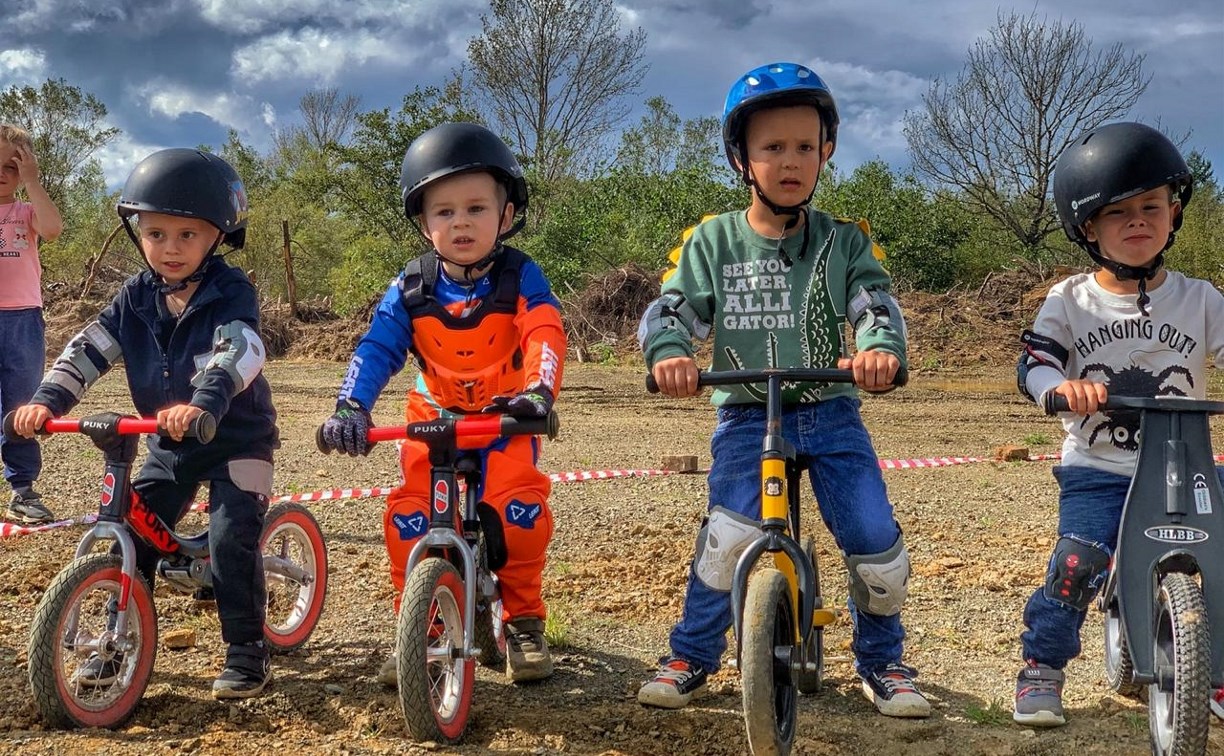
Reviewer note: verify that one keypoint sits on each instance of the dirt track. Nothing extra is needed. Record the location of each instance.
(979, 535)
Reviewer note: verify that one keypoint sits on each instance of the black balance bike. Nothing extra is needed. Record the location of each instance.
(1165, 589)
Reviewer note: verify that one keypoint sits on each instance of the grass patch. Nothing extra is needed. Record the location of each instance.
(1036, 439)
(993, 714)
(556, 628)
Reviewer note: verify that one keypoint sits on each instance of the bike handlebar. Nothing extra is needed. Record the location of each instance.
(203, 427)
(1056, 403)
(463, 427)
(802, 375)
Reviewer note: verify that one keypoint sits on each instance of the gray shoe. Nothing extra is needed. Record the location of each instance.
(1039, 696)
(527, 655)
(27, 507)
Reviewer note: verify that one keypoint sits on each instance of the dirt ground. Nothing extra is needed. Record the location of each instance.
(979, 535)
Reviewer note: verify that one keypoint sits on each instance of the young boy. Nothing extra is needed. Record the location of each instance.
(1120, 191)
(775, 284)
(486, 333)
(188, 331)
(22, 337)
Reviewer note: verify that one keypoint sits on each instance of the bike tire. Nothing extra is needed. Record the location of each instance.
(811, 681)
(62, 701)
(770, 705)
(490, 630)
(1178, 714)
(294, 603)
(1119, 669)
(435, 682)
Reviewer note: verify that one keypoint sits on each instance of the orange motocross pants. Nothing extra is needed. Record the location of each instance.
(514, 489)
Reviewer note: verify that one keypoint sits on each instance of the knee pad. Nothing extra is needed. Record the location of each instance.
(879, 583)
(495, 535)
(724, 536)
(1077, 571)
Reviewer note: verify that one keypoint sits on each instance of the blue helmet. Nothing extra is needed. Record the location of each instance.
(771, 86)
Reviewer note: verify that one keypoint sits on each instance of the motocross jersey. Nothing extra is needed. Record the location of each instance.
(496, 336)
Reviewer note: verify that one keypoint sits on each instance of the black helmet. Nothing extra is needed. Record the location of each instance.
(1111, 163)
(453, 148)
(188, 183)
(774, 85)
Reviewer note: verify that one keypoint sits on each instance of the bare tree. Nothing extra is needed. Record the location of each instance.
(556, 73)
(1027, 90)
(327, 116)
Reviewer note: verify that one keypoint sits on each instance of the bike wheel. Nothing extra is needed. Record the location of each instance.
(1177, 702)
(70, 624)
(490, 630)
(295, 572)
(770, 706)
(1119, 671)
(810, 677)
(435, 681)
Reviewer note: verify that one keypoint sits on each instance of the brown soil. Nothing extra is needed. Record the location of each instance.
(979, 535)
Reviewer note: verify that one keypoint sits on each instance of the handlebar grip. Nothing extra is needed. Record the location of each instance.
(1054, 403)
(203, 428)
(652, 385)
(902, 377)
(319, 443)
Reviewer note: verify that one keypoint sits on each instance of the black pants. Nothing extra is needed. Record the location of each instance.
(235, 522)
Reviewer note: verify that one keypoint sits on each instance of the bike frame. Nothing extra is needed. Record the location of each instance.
(448, 465)
(780, 502)
(1173, 511)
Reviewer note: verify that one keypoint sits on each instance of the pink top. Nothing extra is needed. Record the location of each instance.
(20, 271)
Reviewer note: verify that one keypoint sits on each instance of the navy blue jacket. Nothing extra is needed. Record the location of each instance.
(160, 377)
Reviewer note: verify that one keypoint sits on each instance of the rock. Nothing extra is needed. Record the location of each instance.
(1011, 453)
(680, 463)
(333, 689)
(179, 639)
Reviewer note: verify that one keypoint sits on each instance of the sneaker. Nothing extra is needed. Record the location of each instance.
(247, 671)
(1039, 696)
(675, 684)
(99, 672)
(27, 507)
(891, 688)
(527, 655)
(388, 673)
(1217, 702)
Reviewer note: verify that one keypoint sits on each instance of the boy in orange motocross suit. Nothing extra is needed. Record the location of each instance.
(485, 329)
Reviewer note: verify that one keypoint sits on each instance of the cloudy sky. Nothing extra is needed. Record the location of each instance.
(182, 72)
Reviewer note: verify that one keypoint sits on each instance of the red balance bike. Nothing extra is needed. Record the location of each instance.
(100, 604)
(450, 611)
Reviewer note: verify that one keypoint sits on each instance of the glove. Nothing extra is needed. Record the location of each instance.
(534, 401)
(346, 430)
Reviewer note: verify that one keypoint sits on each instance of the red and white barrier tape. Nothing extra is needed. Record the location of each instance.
(8, 530)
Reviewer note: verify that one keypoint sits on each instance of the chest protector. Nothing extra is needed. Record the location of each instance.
(467, 358)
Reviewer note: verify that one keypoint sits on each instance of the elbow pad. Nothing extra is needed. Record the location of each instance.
(84, 360)
(874, 308)
(238, 350)
(671, 312)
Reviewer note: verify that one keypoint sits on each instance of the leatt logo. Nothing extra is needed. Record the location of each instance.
(1176, 534)
(1076, 203)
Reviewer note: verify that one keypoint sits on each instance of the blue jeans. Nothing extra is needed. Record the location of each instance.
(845, 475)
(1090, 505)
(22, 357)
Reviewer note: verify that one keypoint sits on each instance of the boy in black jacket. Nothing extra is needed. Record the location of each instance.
(188, 331)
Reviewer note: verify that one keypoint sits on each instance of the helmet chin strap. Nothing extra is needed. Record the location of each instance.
(470, 268)
(794, 211)
(1124, 272)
